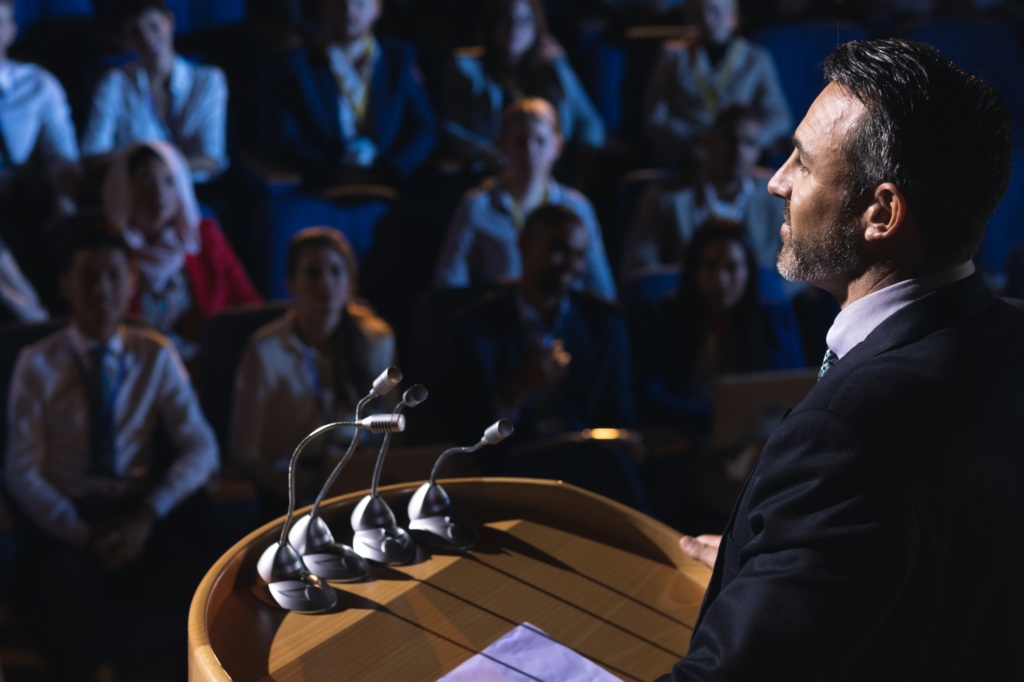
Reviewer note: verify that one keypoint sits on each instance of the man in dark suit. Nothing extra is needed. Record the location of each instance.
(881, 534)
(551, 359)
(352, 101)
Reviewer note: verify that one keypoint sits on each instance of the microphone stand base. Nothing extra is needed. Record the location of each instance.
(308, 594)
(444, 532)
(390, 545)
(337, 563)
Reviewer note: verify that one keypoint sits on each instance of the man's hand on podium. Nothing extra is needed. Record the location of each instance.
(703, 548)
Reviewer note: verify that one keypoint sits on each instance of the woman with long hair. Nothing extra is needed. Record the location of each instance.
(309, 367)
(716, 324)
(517, 59)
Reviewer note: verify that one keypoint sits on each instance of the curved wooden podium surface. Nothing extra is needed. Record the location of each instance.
(598, 577)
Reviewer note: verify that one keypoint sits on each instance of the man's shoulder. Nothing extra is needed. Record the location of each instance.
(32, 73)
(208, 75)
(576, 200)
(397, 51)
(44, 352)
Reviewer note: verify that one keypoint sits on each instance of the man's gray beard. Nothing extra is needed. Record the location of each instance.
(829, 257)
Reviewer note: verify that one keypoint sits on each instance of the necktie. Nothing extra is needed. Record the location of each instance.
(101, 436)
(830, 359)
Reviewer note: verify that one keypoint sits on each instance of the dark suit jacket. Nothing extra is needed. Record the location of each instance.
(488, 342)
(881, 534)
(306, 130)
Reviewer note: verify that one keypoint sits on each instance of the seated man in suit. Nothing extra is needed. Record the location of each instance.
(727, 186)
(551, 359)
(162, 96)
(106, 518)
(692, 82)
(352, 101)
(846, 555)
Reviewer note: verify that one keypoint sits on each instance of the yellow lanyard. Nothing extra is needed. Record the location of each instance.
(709, 92)
(360, 104)
(518, 219)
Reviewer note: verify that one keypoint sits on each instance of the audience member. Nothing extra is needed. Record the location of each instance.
(715, 325)
(692, 82)
(518, 59)
(481, 244)
(352, 100)
(187, 269)
(38, 152)
(308, 368)
(106, 507)
(551, 359)
(18, 299)
(726, 187)
(162, 96)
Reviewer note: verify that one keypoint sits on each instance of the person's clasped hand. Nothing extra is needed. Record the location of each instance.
(121, 541)
(703, 548)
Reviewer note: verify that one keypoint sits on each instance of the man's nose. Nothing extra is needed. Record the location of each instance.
(780, 185)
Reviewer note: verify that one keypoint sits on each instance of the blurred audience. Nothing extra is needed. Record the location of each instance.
(39, 167)
(162, 96)
(106, 447)
(352, 101)
(308, 368)
(187, 269)
(691, 83)
(481, 245)
(715, 325)
(18, 299)
(727, 186)
(551, 359)
(518, 59)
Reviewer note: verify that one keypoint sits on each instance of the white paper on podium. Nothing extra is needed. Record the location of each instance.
(527, 654)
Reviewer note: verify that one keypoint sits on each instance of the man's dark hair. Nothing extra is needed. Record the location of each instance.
(315, 238)
(940, 135)
(126, 10)
(549, 215)
(89, 231)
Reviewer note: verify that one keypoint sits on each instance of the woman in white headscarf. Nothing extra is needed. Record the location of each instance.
(187, 269)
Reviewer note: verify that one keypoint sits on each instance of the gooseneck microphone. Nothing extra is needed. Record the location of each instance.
(291, 584)
(378, 537)
(310, 536)
(431, 519)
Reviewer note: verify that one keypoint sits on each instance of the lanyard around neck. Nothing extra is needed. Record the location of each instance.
(709, 92)
(516, 211)
(359, 101)
(733, 210)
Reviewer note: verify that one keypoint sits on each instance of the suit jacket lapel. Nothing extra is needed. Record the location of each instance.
(381, 109)
(327, 91)
(939, 309)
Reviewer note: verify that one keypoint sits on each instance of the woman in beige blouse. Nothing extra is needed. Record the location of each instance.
(307, 368)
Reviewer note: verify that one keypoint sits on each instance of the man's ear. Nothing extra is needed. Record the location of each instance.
(886, 214)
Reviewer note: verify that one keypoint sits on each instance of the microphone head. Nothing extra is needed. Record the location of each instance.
(386, 381)
(415, 395)
(498, 431)
(383, 423)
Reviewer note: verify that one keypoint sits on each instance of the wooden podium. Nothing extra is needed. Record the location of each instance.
(598, 577)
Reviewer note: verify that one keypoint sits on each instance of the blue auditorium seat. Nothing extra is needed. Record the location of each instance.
(29, 12)
(1006, 226)
(200, 15)
(222, 341)
(985, 49)
(799, 51)
(285, 215)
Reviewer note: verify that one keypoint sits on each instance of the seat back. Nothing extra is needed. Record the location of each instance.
(224, 336)
(799, 51)
(356, 216)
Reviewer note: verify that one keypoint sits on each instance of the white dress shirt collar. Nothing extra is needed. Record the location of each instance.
(861, 317)
(179, 87)
(502, 198)
(82, 344)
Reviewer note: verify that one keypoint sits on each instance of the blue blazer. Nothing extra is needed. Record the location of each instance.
(880, 535)
(306, 131)
(488, 342)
